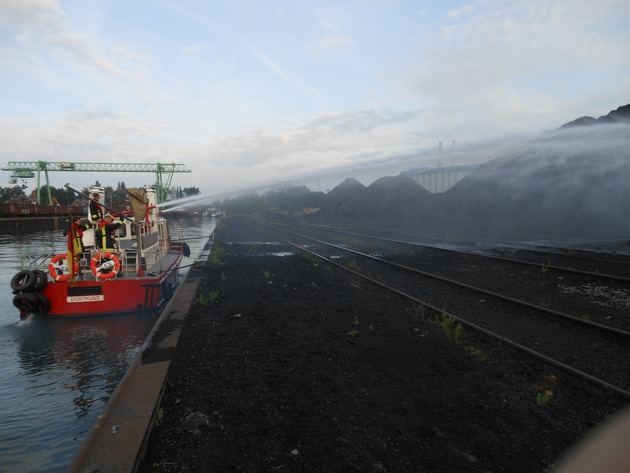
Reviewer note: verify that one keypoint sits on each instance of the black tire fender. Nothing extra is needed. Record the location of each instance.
(26, 302)
(41, 280)
(167, 291)
(23, 281)
(43, 303)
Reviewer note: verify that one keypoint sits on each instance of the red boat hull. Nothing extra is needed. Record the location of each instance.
(113, 296)
(125, 263)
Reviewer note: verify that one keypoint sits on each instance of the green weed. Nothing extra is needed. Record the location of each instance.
(476, 353)
(217, 254)
(545, 390)
(352, 265)
(204, 300)
(545, 267)
(542, 399)
(450, 327)
(159, 416)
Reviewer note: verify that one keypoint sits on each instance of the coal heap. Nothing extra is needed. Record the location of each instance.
(344, 200)
(573, 181)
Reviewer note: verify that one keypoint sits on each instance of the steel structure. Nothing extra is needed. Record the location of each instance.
(442, 178)
(27, 170)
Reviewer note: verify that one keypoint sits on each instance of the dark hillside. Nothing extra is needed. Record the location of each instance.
(622, 114)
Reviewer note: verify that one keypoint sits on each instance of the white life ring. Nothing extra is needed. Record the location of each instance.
(105, 266)
(56, 263)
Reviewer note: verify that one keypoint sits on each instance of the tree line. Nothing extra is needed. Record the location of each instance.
(115, 197)
(288, 200)
(285, 199)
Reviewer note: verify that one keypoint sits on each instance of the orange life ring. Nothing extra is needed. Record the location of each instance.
(53, 267)
(96, 266)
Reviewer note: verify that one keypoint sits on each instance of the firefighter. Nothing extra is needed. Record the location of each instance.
(105, 238)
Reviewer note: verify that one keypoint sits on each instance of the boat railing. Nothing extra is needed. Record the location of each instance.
(35, 261)
(152, 259)
(149, 239)
(132, 258)
(128, 258)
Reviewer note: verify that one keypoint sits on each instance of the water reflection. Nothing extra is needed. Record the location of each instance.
(66, 368)
(57, 374)
(88, 356)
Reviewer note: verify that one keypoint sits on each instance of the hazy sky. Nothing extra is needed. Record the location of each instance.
(249, 91)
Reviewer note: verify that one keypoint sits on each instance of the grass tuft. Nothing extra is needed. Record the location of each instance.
(217, 254)
(450, 327)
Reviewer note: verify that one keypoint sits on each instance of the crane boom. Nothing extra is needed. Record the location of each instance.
(27, 169)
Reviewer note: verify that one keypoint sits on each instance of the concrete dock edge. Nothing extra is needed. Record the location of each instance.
(116, 440)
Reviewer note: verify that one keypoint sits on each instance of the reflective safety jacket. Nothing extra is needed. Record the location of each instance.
(78, 236)
(104, 236)
(96, 211)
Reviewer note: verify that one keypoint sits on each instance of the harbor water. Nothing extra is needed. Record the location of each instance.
(57, 375)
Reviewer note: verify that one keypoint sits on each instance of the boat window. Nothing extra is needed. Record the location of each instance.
(121, 231)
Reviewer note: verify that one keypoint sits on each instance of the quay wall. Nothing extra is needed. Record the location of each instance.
(23, 225)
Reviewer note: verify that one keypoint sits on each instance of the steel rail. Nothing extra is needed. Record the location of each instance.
(484, 255)
(561, 251)
(534, 354)
(522, 303)
(577, 253)
(593, 239)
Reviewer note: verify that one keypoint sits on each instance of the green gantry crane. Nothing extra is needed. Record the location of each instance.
(27, 169)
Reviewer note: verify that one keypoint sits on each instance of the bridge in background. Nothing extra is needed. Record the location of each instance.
(440, 179)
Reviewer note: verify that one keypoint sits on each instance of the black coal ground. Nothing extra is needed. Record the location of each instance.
(286, 365)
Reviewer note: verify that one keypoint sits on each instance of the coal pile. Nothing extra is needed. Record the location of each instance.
(571, 181)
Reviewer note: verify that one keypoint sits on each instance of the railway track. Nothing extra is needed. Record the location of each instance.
(580, 261)
(531, 308)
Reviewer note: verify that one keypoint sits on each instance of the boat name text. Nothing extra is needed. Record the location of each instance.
(98, 298)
